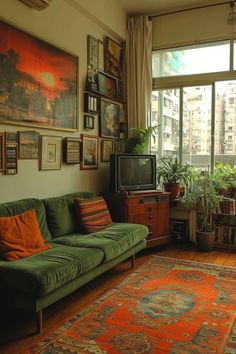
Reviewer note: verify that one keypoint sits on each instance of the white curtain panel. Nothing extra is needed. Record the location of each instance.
(139, 71)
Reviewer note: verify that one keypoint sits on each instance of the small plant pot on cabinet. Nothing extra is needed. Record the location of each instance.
(174, 189)
(205, 240)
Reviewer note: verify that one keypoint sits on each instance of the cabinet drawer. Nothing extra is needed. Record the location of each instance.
(137, 206)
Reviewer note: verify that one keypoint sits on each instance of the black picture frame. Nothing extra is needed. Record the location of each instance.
(71, 150)
(91, 103)
(88, 122)
(11, 153)
(107, 85)
(110, 119)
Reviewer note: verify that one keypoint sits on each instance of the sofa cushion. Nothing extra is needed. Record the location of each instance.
(92, 214)
(113, 241)
(20, 236)
(60, 213)
(44, 272)
(20, 206)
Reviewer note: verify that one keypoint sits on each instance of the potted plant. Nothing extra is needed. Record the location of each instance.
(204, 197)
(225, 178)
(172, 173)
(138, 143)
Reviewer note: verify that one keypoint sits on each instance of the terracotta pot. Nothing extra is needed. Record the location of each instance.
(205, 240)
(174, 188)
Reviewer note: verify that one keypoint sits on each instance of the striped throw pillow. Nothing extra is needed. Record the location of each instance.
(92, 214)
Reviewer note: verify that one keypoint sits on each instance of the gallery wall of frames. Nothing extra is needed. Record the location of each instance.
(104, 98)
(27, 99)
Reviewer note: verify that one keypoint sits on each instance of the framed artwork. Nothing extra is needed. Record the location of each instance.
(71, 150)
(88, 122)
(107, 85)
(89, 159)
(50, 153)
(113, 54)
(110, 119)
(1, 151)
(93, 55)
(91, 103)
(119, 146)
(11, 153)
(120, 90)
(28, 145)
(107, 148)
(38, 85)
(101, 56)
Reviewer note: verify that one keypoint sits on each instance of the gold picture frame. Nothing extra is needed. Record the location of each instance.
(89, 160)
(107, 147)
(28, 145)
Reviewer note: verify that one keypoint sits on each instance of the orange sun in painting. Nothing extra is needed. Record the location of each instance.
(47, 78)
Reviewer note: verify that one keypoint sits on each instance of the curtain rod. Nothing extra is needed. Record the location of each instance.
(192, 8)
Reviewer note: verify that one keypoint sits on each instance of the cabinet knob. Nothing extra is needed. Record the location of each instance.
(150, 217)
(150, 225)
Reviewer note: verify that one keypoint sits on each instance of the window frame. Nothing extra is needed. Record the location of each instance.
(206, 79)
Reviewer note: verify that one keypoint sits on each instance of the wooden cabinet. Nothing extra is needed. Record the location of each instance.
(150, 208)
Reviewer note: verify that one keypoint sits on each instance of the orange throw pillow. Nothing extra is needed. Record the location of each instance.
(92, 214)
(20, 236)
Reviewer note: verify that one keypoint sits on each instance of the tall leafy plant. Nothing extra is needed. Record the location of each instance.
(138, 143)
(204, 197)
(170, 170)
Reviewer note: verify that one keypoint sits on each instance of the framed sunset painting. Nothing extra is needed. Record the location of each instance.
(38, 82)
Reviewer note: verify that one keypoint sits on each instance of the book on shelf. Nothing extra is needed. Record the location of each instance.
(227, 206)
(225, 235)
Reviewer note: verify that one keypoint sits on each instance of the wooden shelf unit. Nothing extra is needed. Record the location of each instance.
(150, 208)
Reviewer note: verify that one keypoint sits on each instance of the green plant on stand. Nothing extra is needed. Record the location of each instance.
(203, 197)
(224, 177)
(138, 143)
(171, 173)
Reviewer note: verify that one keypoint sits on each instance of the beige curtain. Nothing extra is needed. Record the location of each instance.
(139, 70)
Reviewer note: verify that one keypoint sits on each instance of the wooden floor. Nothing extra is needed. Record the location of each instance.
(17, 329)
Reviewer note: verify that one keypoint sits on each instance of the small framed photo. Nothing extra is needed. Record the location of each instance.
(110, 119)
(50, 153)
(88, 122)
(93, 47)
(1, 151)
(107, 148)
(89, 160)
(120, 146)
(91, 103)
(11, 153)
(101, 56)
(71, 150)
(113, 56)
(107, 85)
(93, 55)
(28, 145)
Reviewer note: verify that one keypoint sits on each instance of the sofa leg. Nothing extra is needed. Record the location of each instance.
(133, 261)
(39, 321)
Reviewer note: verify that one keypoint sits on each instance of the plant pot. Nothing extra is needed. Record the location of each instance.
(205, 240)
(174, 189)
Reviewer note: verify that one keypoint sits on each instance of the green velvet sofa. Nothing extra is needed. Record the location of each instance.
(33, 283)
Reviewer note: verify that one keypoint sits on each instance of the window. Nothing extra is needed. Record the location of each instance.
(192, 59)
(195, 122)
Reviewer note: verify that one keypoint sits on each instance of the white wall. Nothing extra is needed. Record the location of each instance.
(189, 27)
(66, 24)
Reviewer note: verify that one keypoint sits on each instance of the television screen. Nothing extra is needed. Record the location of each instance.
(135, 171)
(130, 172)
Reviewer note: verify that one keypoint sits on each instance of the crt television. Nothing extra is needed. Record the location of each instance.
(131, 172)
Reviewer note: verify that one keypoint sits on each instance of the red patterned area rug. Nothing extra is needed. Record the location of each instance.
(165, 306)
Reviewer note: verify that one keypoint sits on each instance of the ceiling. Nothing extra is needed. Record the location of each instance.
(150, 7)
